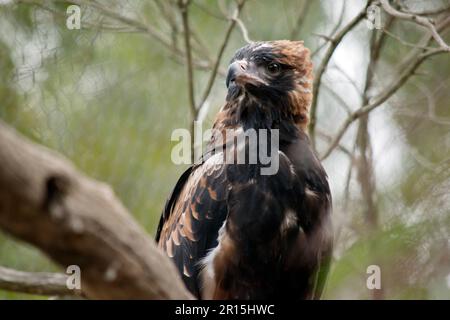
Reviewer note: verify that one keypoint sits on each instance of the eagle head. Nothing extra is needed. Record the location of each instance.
(278, 73)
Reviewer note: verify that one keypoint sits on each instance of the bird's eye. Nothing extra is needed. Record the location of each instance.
(273, 68)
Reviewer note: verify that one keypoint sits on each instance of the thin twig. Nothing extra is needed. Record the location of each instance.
(431, 12)
(341, 101)
(79, 221)
(409, 66)
(321, 134)
(425, 41)
(416, 19)
(349, 79)
(183, 6)
(405, 43)
(322, 67)
(212, 77)
(126, 20)
(349, 178)
(244, 30)
(333, 31)
(135, 27)
(382, 97)
(170, 18)
(40, 283)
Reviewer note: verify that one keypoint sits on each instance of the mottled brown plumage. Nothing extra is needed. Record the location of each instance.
(234, 233)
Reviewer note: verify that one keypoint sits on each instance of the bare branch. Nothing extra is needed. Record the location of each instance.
(333, 31)
(184, 6)
(416, 19)
(349, 79)
(405, 43)
(75, 220)
(128, 21)
(348, 178)
(323, 65)
(243, 29)
(382, 97)
(409, 65)
(135, 26)
(169, 16)
(233, 19)
(40, 283)
(321, 134)
(339, 99)
(431, 12)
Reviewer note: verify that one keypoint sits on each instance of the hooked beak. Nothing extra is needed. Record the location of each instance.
(240, 73)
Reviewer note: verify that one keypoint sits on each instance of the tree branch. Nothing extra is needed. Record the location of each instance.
(126, 20)
(212, 77)
(423, 21)
(430, 12)
(333, 31)
(133, 26)
(409, 66)
(184, 6)
(323, 65)
(382, 97)
(75, 220)
(40, 283)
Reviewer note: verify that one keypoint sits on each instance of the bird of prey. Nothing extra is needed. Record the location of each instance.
(233, 232)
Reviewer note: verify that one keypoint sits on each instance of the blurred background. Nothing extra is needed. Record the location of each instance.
(109, 95)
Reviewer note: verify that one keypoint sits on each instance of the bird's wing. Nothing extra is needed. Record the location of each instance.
(172, 200)
(192, 217)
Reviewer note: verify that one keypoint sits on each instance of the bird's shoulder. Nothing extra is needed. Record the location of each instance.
(197, 192)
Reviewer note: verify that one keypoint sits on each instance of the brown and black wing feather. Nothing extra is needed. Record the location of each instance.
(192, 217)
